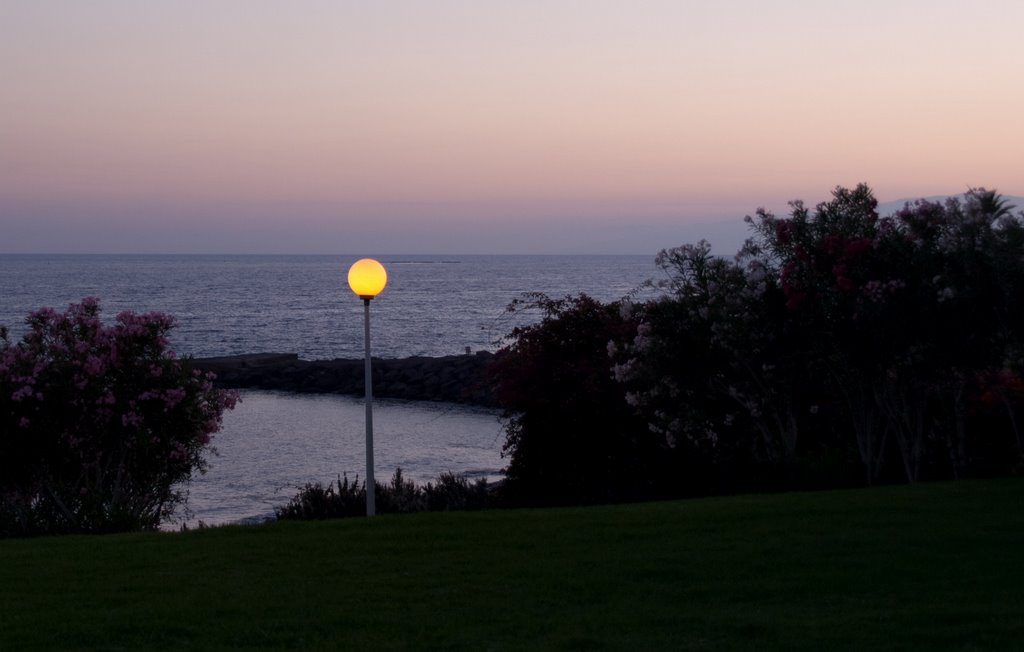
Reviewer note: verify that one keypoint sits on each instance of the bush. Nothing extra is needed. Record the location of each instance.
(456, 493)
(838, 347)
(99, 425)
(316, 502)
(571, 436)
(400, 496)
(837, 338)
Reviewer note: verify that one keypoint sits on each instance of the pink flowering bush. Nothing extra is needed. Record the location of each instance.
(839, 335)
(838, 347)
(571, 436)
(100, 425)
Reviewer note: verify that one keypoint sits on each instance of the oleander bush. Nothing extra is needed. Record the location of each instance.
(571, 436)
(839, 347)
(100, 425)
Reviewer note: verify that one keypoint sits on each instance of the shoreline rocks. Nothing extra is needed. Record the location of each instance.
(452, 378)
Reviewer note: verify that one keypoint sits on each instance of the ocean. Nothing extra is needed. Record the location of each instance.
(273, 443)
(224, 305)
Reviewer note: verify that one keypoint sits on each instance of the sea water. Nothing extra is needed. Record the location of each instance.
(273, 443)
(432, 305)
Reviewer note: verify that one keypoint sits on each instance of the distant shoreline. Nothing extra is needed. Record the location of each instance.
(452, 378)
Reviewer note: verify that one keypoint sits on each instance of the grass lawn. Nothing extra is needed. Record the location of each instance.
(925, 567)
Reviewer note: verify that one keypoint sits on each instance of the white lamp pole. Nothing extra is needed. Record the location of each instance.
(367, 278)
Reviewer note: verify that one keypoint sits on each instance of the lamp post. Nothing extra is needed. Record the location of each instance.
(367, 278)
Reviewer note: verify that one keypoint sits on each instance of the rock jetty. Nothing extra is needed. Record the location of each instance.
(453, 378)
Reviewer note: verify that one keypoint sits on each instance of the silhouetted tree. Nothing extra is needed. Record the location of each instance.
(570, 435)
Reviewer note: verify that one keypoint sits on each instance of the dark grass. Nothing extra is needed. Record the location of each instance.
(924, 567)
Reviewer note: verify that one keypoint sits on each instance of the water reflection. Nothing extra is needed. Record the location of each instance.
(274, 442)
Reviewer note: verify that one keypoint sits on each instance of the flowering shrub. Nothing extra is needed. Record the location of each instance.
(838, 347)
(571, 436)
(99, 425)
(865, 332)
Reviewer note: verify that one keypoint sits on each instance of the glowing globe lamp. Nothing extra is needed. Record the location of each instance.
(367, 278)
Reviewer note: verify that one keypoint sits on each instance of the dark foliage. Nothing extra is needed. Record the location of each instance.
(837, 348)
(399, 496)
(100, 425)
(571, 436)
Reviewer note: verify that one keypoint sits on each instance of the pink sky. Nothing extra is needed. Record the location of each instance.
(590, 126)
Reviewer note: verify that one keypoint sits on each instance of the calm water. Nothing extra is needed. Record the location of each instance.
(302, 304)
(273, 443)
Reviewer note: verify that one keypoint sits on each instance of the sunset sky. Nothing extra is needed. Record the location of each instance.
(554, 126)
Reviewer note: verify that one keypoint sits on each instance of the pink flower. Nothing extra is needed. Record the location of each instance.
(855, 248)
(173, 397)
(93, 366)
(131, 419)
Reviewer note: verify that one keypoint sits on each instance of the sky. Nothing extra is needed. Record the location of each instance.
(442, 126)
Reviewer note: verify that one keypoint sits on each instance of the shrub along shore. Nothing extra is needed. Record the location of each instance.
(452, 378)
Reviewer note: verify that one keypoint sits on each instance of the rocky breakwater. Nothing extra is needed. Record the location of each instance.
(453, 378)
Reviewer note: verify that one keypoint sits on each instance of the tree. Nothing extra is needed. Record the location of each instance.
(99, 424)
(969, 253)
(906, 315)
(840, 273)
(570, 435)
(720, 368)
(838, 331)
(838, 347)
